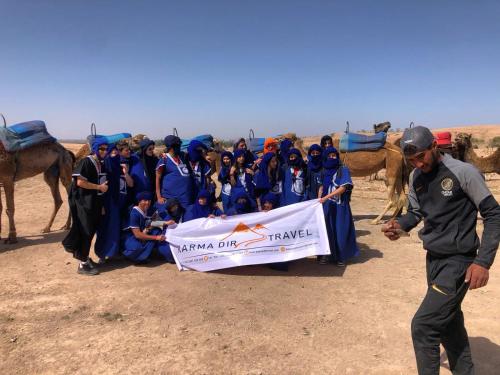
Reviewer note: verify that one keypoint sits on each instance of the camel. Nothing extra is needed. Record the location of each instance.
(366, 163)
(382, 127)
(487, 164)
(51, 159)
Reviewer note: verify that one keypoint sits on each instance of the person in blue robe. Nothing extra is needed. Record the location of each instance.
(172, 213)
(174, 177)
(335, 195)
(241, 203)
(314, 171)
(250, 158)
(200, 167)
(138, 241)
(240, 175)
(107, 243)
(143, 168)
(326, 141)
(269, 202)
(294, 178)
(202, 207)
(225, 180)
(269, 177)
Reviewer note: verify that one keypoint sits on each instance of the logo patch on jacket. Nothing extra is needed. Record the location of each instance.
(447, 186)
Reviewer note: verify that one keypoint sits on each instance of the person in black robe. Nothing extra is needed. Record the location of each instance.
(86, 205)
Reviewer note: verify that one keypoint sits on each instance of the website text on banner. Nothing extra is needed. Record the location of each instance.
(286, 233)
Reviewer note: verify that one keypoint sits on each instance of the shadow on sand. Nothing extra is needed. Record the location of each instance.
(485, 355)
(34, 239)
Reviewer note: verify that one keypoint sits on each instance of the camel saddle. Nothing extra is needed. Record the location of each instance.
(443, 139)
(24, 135)
(352, 142)
(110, 139)
(206, 139)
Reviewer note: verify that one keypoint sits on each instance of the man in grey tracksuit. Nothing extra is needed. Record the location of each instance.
(447, 194)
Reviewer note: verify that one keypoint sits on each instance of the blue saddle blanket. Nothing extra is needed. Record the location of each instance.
(206, 139)
(351, 142)
(24, 135)
(110, 139)
(256, 144)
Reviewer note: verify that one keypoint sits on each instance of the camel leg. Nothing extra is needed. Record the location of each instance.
(391, 184)
(66, 179)
(1, 209)
(9, 198)
(51, 177)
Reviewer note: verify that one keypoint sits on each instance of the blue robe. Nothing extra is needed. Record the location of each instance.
(196, 211)
(245, 181)
(107, 242)
(225, 193)
(201, 170)
(294, 184)
(133, 248)
(313, 183)
(338, 216)
(177, 180)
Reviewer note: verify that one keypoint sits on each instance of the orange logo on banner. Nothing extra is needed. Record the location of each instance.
(243, 228)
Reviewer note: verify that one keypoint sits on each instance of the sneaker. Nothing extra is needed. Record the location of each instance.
(91, 263)
(340, 264)
(86, 269)
(323, 259)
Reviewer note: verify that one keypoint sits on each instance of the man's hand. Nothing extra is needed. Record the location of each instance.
(390, 230)
(477, 276)
(322, 200)
(161, 200)
(103, 187)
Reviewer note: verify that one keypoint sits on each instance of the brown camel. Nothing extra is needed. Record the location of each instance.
(366, 163)
(382, 127)
(51, 159)
(487, 164)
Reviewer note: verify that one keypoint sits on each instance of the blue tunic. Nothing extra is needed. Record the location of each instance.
(177, 180)
(293, 185)
(139, 175)
(108, 232)
(164, 246)
(338, 216)
(245, 180)
(201, 170)
(133, 248)
(196, 211)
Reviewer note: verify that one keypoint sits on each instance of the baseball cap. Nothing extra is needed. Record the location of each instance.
(416, 140)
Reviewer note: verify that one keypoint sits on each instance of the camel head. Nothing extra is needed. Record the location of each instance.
(382, 127)
(463, 140)
(134, 142)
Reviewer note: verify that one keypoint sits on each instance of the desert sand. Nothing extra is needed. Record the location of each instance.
(154, 319)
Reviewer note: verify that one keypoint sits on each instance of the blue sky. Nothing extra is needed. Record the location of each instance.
(223, 67)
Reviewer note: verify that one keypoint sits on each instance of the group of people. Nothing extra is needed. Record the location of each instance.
(128, 200)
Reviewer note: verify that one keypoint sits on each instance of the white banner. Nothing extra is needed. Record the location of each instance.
(286, 233)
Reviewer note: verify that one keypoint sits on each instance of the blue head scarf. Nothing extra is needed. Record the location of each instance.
(262, 177)
(241, 208)
(199, 210)
(98, 142)
(314, 162)
(298, 162)
(177, 214)
(172, 141)
(330, 165)
(271, 198)
(239, 152)
(144, 196)
(285, 147)
(195, 150)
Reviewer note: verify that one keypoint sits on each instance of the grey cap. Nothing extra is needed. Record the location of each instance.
(416, 140)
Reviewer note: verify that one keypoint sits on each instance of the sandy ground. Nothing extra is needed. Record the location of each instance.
(250, 320)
